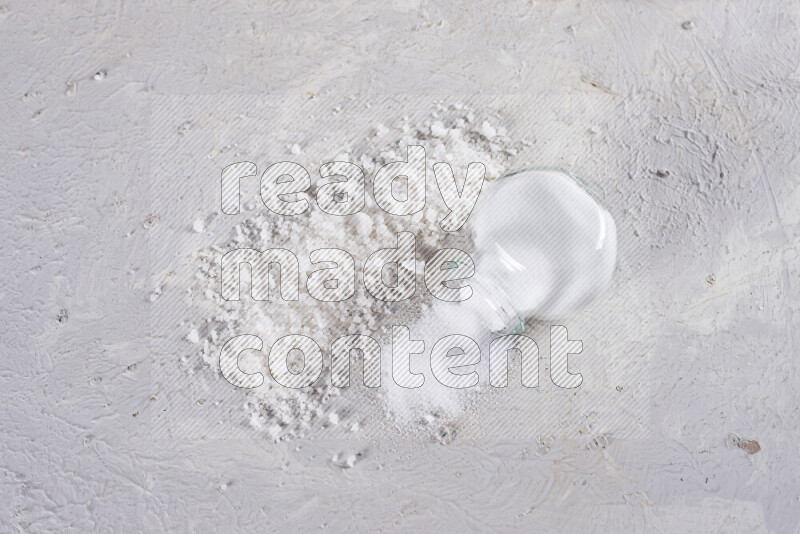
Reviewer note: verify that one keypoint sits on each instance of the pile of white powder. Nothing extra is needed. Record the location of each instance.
(454, 134)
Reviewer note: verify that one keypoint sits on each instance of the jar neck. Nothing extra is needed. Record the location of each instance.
(494, 306)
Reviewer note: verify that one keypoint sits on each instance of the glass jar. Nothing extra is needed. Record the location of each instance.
(544, 247)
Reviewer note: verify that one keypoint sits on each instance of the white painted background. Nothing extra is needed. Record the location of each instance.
(693, 142)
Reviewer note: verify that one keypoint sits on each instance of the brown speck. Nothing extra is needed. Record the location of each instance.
(711, 278)
(619, 388)
(687, 25)
(150, 221)
(445, 435)
(662, 173)
(135, 414)
(62, 316)
(749, 446)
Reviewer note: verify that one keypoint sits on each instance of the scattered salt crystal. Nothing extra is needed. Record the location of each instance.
(198, 226)
(438, 129)
(193, 336)
(487, 130)
(296, 150)
(155, 294)
(333, 418)
(344, 463)
(275, 431)
(381, 130)
(254, 420)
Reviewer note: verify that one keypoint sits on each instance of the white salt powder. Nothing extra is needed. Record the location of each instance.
(449, 135)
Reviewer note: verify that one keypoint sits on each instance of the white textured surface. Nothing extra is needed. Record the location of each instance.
(684, 116)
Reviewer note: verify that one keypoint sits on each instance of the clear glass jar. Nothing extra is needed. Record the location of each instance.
(544, 247)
